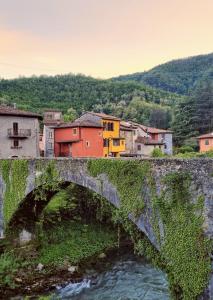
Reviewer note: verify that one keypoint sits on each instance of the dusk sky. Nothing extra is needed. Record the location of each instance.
(101, 38)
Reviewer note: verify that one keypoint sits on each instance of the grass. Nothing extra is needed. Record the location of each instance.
(73, 241)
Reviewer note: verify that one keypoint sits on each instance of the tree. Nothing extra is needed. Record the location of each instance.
(71, 115)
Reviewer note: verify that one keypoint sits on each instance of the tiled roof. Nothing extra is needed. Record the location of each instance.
(10, 111)
(104, 116)
(206, 136)
(127, 126)
(151, 129)
(80, 123)
(147, 141)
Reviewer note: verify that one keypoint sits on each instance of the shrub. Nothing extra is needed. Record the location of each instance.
(157, 153)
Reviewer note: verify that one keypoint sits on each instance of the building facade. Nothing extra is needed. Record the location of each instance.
(206, 142)
(19, 133)
(78, 139)
(51, 118)
(113, 143)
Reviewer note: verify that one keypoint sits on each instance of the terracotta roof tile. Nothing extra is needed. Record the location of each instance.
(147, 141)
(10, 111)
(79, 123)
(206, 136)
(104, 116)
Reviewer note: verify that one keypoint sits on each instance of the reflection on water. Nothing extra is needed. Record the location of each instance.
(129, 278)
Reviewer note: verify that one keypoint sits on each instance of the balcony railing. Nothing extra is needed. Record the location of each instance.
(20, 133)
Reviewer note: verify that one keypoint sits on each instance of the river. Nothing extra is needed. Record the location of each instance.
(127, 278)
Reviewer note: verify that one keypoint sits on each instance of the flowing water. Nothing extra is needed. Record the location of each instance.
(129, 278)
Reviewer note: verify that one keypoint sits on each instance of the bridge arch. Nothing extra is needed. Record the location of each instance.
(20, 179)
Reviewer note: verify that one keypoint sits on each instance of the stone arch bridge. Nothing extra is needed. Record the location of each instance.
(18, 181)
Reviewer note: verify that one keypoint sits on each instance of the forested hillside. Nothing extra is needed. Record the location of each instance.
(178, 76)
(194, 115)
(188, 115)
(81, 93)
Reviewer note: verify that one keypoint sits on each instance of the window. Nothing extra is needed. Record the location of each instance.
(106, 143)
(122, 142)
(116, 142)
(50, 135)
(15, 128)
(87, 144)
(206, 142)
(110, 126)
(139, 147)
(50, 146)
(74, 131)
(49, 116)
(165, 146)
(134, 132)
(15, 143)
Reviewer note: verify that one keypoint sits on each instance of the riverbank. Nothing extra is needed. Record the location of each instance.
(61, 255)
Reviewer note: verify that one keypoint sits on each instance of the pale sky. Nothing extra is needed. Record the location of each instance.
(101, 38)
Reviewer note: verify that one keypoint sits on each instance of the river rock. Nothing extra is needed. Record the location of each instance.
(102, 255)
(19, 280)
(39, 267)
(73, 269)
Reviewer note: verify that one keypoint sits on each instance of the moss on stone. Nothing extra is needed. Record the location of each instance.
(14, 173)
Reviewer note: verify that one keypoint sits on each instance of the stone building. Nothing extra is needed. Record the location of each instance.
(142, 140)
(19, 133)
(52, 118)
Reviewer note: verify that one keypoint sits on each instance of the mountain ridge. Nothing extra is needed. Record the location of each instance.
(176, 76)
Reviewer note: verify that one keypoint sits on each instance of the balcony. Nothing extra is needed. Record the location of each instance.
(20, 133)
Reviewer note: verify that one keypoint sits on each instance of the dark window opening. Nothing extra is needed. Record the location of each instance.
(15, 128)
(116, 142)
(16, 143)
(106, 143)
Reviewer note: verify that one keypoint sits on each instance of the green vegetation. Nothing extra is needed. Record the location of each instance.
(128, 177)
(157, 152)
(9, 266)
(177, 76)
(74, 94)
(48, 180)
(185, 250)
(74, 241)
(178, 94)
(208, 154)
(193, 117)
(78, 224)
(14, 173)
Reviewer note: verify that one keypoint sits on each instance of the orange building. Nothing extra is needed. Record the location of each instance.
(113, 143)
(78, 139)
(206, 142)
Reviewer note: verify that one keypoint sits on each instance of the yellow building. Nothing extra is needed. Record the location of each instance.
(113, 143)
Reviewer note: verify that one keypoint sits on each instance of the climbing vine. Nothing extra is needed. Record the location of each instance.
(185, 250)
(47, 179)
(129, 177)
(14, 173)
